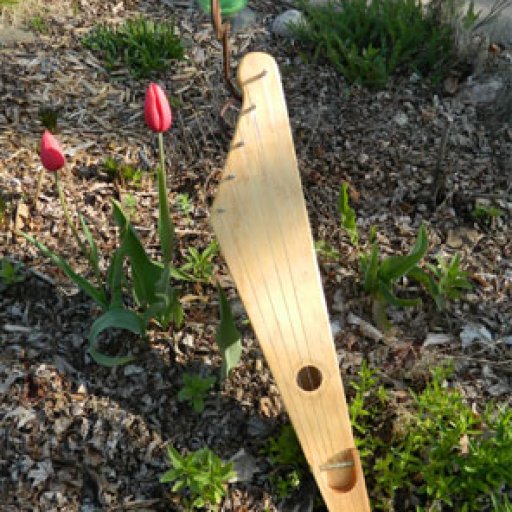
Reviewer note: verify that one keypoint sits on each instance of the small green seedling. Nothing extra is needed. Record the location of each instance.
(185, 205)
(326, 251)
(124, 174)
(38, 24)
(200, 476)
(48, 116)
(348, 216)
(195, 390)
(10, 273)
(130, 205)
(380, 277)
(198, 266)
(141, 45)
(448, 281)
(486, 214)
(285, 453)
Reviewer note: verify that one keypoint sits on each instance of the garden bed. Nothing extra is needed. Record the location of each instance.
(77, 436)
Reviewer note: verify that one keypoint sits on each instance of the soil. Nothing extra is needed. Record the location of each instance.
(78, 436)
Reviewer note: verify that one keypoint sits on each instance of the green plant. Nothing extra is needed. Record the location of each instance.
(201, 474)
(8, 3)
(285, 452)
(195, 389)
(48, 116)
(227, 337)
(184, 205)
(130, 205)
(39, 24)
(198, 266)
(10, 273)
(143, 46)
(326, 251)
(348, 216)
(439, 451)
(486, 213)
(448, 281)
(368, 41)
(380, 277)
(125, 174)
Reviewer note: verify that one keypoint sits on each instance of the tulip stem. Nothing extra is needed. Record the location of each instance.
(64, 204)
(38, 186)
(165, 224)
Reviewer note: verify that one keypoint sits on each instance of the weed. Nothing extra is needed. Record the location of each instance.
(200, 474)
(125, 174)
(38, 24)
(439, 451)
(48, 117)
(184, 205)
(8, 3)
(143, 46)
(10, 273)
(326, 251)
(368, 41)
(130, 205)
(486, 214)
(380, 277)
(195, 390)
(198, 266)
(348, 216)
(448, 280)
(285, 453)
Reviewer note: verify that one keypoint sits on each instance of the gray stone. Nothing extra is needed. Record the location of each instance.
(282, 23)
(244, 465)
(242, 20)
(482, 91)
(401, 119)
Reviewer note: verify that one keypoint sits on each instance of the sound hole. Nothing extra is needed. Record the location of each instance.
(309, 378)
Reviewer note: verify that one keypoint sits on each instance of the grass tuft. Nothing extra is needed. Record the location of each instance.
(143, 46)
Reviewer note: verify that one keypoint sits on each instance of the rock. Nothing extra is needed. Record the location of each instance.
(282, 24)
(472, 333)
(335, 327)
(401, 119)
(242, 20)
(244, 466)
(482, 91)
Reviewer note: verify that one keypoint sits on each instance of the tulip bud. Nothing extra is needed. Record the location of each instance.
(157, 111)
(52, 156)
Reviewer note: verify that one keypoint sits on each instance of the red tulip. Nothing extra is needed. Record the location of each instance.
(157, 111)
(52, 156)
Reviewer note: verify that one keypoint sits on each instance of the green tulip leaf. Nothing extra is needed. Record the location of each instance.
(96, 294)
(117, 318)
(228, 337)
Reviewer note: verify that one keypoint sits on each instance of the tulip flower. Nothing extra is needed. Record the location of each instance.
(52, 156)
(158, 116)
(157, 111)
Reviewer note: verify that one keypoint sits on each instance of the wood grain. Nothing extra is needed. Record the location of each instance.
(260, 219)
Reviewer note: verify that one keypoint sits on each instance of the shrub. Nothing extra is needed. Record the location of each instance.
(368, 41)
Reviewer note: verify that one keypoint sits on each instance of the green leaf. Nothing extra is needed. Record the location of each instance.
(115, 278)
(113, 318)
(93, 255)
(370, 266)
(393, 300)
(145, 272)
(347, 215)
(96, 294)
(397, 266)
(228, 337)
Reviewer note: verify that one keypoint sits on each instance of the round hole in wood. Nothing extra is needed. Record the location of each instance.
(309, 378)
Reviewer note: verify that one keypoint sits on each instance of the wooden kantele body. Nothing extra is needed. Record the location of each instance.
(260, 219)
